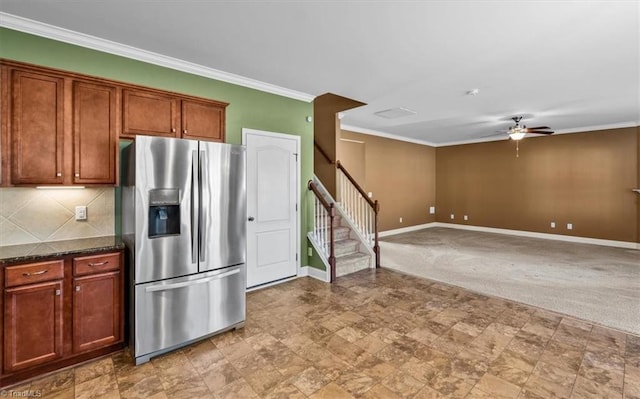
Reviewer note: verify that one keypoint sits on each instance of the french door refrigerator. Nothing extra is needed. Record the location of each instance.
(184, 224)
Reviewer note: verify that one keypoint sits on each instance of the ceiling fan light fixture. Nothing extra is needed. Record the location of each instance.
(516, 135)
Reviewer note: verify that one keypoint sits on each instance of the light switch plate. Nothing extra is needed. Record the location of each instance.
(432, 210)
(81, 212)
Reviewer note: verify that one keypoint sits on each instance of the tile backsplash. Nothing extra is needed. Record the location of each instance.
(29, 215)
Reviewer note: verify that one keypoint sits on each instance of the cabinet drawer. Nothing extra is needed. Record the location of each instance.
(96, 264)
(33, 273)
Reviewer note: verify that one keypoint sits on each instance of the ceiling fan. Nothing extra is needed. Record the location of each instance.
(518, 131)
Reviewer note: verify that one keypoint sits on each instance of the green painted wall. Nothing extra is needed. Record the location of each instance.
(248, 108)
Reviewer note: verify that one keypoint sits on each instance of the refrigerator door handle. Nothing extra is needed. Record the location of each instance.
(192, 282)
(195, 206)
(203, 232)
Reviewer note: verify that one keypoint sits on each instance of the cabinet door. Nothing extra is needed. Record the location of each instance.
(203, 121)
(32, 325)
(94, 133)
(97, 311)
(36, 128)
(149, 113)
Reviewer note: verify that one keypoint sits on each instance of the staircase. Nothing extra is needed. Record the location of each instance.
(349, 257)
(341, 244)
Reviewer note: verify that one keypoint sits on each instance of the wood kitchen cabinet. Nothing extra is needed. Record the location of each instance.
(203, 120)
(163, 114)
(59, 312)
(94, 133)
(97, 302)
(62, 129)
(33, 314)
(149, 113)
(37, 134)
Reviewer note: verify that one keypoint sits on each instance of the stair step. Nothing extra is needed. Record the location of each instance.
(346, 247)
(352, 263)
(340, 233)
(337, 220)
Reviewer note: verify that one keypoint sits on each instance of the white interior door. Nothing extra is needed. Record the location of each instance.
(272, 198)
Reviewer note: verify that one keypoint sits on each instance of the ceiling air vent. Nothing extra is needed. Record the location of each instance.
(394, 113)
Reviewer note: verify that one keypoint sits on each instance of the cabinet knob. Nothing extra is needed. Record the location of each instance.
(77, 174)
(59, 174)
(184, 131)
(57, 292)
(77, 288)
(173, 130)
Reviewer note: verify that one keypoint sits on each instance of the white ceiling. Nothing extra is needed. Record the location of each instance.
(570, 65)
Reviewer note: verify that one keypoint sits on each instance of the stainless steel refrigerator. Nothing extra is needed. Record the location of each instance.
(184, 224)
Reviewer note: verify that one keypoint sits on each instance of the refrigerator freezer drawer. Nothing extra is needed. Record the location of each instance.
(173, 312)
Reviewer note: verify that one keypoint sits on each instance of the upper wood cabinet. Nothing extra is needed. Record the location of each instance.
(149, 113)
(203, 120)
(164, 114)
(94, 133)
(37, 128)
(60, 130)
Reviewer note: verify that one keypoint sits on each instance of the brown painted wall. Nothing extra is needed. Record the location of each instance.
(401, 176)
(583, 178)
(326, 133)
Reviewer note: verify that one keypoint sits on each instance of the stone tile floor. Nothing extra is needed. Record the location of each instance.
(375, 334)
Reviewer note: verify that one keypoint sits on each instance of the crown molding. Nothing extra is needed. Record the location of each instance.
(371, 132)
(583, 129)
(620, 125)
(95, 43)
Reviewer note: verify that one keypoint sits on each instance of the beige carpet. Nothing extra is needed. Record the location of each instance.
(591, 282)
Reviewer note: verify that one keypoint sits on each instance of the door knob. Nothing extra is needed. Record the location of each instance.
(251, 218)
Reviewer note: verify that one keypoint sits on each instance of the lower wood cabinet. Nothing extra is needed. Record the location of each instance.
(59, 312)
(97, 301)
(33, 325)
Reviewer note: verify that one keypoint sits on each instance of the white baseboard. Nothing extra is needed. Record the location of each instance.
(406, 229)
(520, 233)
(271, 284)
(322, 275)
(304, 271)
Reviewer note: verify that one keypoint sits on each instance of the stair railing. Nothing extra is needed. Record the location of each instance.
(325, 213)
(323, 152)
(362, 210)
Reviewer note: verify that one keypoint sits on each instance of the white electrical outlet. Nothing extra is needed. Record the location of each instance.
(310, 251)
(553, 225)
(81, 212)
(370, 194)
(452, 217)
(569, 226)
(400, 219)
(465, 217)
(432, 210)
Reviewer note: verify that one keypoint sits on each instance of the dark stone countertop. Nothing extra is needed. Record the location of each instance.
(33, 252)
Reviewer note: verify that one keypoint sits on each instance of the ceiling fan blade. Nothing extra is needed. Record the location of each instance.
(539, 127)
(539, 132)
